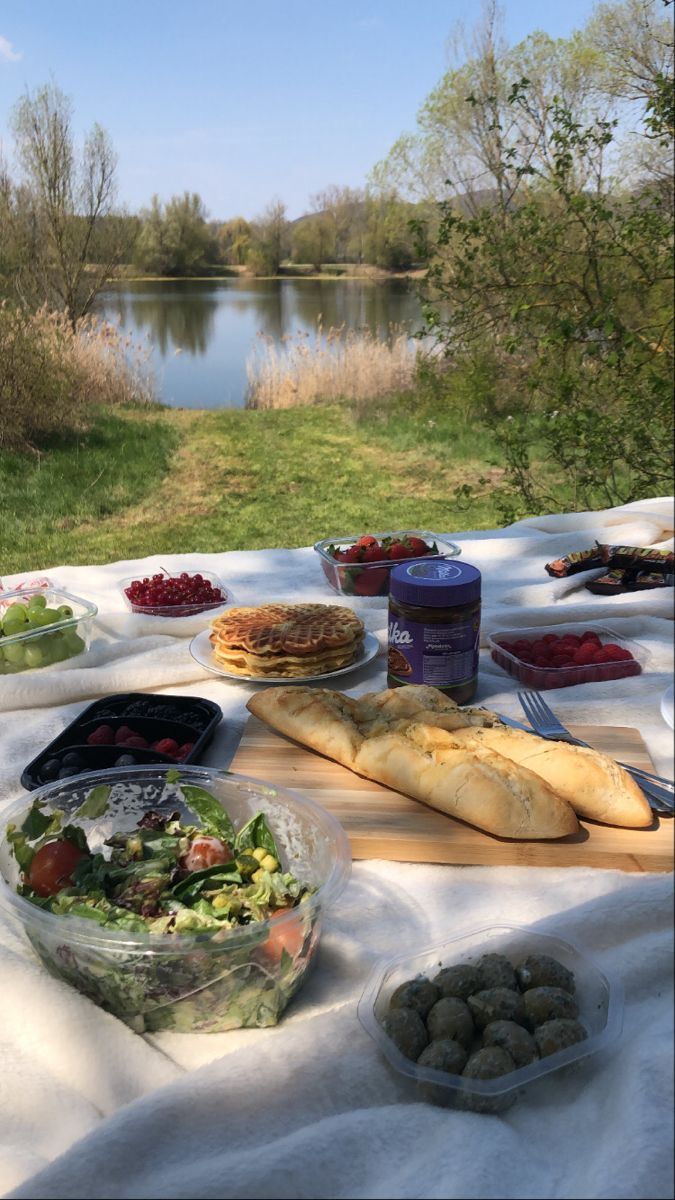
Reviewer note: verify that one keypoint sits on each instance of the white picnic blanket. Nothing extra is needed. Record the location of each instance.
(87, 1108)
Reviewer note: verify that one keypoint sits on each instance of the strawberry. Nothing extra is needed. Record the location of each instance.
(372, 582)
(353, 554)
(398, 550)
(366, 539)
(417, 545)
(373, 553)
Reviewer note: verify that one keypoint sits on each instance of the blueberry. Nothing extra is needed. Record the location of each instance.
(68, 772)
(72, 759)
(125, 760)
(51, 768)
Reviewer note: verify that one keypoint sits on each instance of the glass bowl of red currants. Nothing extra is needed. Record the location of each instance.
(174, 595)
(565, 655)
(359, 564)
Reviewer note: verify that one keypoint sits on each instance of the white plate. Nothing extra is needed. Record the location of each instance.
(667, 706)
(202, 652)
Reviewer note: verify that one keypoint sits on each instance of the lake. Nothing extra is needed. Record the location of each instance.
(199, 333)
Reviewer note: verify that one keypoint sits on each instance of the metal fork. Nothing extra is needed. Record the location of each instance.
(659, 791)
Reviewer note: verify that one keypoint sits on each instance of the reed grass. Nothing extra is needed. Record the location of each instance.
(52, 377)
(329, 365)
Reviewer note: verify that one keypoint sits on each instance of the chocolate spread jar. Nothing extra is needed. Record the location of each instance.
(434, 626)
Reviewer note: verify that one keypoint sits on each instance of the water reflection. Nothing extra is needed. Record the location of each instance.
(201, 332)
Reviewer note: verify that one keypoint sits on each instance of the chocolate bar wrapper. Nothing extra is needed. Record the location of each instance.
(643, 580)
(611, 584)
(572, 564)
(639, 558)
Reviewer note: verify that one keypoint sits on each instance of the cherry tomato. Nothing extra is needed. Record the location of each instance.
(289, 937)
(52, 867)
(205, 851)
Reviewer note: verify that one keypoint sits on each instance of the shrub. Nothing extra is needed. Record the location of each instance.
(52, 378)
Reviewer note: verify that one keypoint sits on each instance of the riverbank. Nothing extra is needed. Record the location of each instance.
(159, 480)
(364, 272)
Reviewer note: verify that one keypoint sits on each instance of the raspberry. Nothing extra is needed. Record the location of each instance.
(123, 734)
(601, 656)
(103, 735)
(550, 637)
(166, 746)
(590, 636)
(135, 740)
(183, 751)
(561, 660)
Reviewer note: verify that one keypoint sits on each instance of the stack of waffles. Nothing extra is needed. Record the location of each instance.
(289, 641)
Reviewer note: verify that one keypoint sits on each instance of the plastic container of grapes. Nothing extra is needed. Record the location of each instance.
(197, 982)
(372, 579)
(502, 643)
(54, 641)
(176, 610)
(185, 719)
(600, 1012)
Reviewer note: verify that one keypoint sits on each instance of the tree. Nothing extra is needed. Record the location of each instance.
(66, 198)
(175, 239)
(342, 209)
(234, 241)
(313, 240)
(270, 241)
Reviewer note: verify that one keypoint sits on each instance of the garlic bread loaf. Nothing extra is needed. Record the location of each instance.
(416, 757)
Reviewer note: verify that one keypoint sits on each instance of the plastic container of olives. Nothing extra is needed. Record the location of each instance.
(600, 1012)
(40, 626)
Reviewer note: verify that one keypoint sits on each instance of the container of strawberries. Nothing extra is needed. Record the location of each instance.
(359, 564)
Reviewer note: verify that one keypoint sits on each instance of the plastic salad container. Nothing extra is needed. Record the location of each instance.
(526, 654)
(204, 980)
(42, 626)
(600, 1012)
(179, 609)
(372, 578)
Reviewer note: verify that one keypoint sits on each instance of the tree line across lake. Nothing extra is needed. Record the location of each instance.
(536, 190)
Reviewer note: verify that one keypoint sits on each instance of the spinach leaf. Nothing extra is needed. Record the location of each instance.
(192, 885)
(96, 802)
(210, 811)
(256, 834)
(36, 822)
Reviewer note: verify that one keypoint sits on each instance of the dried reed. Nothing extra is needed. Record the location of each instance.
(338, 363)
(52, 378)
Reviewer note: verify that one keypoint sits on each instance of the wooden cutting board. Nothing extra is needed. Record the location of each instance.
(381, 823)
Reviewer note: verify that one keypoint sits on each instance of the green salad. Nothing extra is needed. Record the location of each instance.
(167, 876)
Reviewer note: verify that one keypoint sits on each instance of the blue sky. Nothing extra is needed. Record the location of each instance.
(242, 102)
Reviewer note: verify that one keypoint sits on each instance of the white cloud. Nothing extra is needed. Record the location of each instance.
(7, 51)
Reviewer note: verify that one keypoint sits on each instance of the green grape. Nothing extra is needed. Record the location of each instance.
(17, 611)
(14, 653)
(34, 655)
(64, 611)
(37, 601)
(11, 627)
(74, 642)
(45, 616)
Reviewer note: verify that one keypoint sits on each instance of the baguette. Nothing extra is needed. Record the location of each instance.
(593, 783)
(419, 759)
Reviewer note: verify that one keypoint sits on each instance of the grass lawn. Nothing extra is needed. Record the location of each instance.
(165, 480)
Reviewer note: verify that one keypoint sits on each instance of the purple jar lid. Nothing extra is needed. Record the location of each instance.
(435, 582)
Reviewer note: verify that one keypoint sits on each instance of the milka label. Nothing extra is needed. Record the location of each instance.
(398, 636)
(436, 654)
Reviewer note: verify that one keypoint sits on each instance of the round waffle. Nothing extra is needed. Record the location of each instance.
(287, 640)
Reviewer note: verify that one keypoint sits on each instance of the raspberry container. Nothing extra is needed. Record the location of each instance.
(503, 649)
(372, 579)
(184, 719)
(42, 625)
(600, 1012)
(201, 981)
(176, 610)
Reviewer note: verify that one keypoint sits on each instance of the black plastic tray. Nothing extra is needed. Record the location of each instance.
(187, 719)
